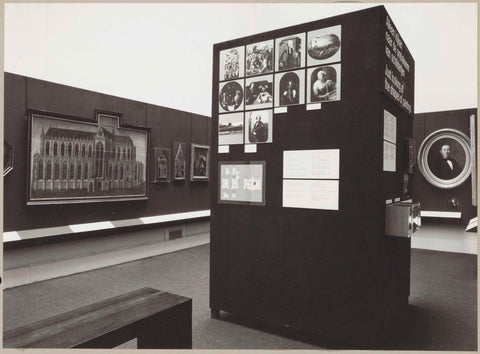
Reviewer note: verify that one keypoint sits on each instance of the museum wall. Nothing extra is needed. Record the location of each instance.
(165, 126)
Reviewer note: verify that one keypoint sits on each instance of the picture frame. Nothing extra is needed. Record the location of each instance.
(324, 83)
(290, 52)
(75, 160)
(241, 182)
(324, 45)
(259, 92)
(231, 129)
(259, 58)
(200, 162)
(289, 88)
(7, 158)
(231, 96)
(436, 150)
(162, 165)
(179, 159)
(259, 127)
(232, 63)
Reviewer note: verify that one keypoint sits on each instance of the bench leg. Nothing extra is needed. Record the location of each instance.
(171, 330)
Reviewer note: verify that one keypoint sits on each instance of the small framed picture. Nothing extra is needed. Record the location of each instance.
(259, 58)
(179, 168)
(162, 165)
(290, 88)
(324, 45)
(199, 165)
(231, 63)
(259, 92)
(259, 127)
(241, 182)
(231, 96)
(7, 158)
(323, 83)
(290, 52)
(230, 129)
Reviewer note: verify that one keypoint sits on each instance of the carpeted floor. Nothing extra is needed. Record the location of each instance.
(442, 314)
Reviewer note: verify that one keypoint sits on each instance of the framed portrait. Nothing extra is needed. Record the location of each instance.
(444, 158)
(259, 127)
(324, 45)
(241, 182)
(162, 165)
(72, 160)
(290, 88)
(179, 167)
(259, 58)
(199, 165)
(7, 158)
(259, 92)
(230, 96)
(232, 63)
(323, 83)
(230, 129)
(290, 52)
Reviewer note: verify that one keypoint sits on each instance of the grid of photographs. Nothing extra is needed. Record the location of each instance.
(301, 68)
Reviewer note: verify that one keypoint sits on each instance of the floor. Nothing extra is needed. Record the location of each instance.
(442, 314)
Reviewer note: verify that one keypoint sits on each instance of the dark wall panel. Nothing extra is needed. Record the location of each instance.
(166, 125)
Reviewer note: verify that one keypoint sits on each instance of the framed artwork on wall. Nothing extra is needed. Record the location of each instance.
(259, 127)
(232, 63)
(7, 158)
(241, 182)
(324, 45)
(323, 83)
(200, 162)
(72, 160)
(259, 58)
(230, 129)
(290, 52)
(179, 155)
(444, 158)
(162, 165)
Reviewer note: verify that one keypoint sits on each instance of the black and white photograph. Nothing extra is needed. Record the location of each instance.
(179, 160)
(259, 92)
(258, 127)
(290, 52)
(323, 83)
(190, 176)
(290, 88)
(231, 63)
(231, 96)
(259, 58)
(230, 128)
(162, 165)
(445, 158)
(73, 161)
(200, 162)
(324, 46)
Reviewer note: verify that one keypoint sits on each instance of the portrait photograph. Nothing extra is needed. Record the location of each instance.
(290, 52)
(230, 128)
(259, 127)
(231, 63)
(179, 154)
(258, 92)
(444, 158)
(324, 46)
(199, 162)
(259, 58)
(323, 83)
(290, 88)
(231, 96)
(73, 161)
(162, 165)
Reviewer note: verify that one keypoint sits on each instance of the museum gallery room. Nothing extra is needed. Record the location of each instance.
(240, 176)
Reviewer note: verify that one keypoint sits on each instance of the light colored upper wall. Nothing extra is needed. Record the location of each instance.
(162, 53)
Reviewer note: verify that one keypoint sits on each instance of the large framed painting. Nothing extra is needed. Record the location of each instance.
(241, 182)
(162, 165)
(444, 158)
(179, 160)
(199, 166)
(73, 160)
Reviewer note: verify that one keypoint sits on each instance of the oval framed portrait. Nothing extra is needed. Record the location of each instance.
(444, 158)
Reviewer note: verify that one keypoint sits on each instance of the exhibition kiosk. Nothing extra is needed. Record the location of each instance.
(311, 163)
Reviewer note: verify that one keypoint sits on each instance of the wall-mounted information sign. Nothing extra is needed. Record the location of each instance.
(242, 182)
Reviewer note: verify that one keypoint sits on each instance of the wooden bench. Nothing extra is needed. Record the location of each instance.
(157, 319)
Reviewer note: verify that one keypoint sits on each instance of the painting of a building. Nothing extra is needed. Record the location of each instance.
(71, 160)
